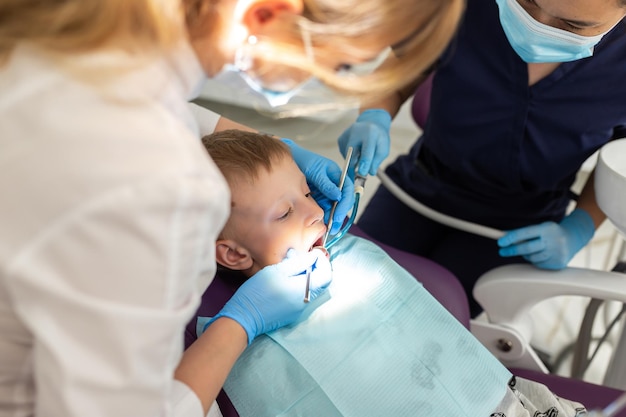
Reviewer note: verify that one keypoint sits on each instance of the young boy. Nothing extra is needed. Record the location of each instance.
(379, 345)
(272, 209)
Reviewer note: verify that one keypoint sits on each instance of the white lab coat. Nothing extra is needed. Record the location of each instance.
(109, 208)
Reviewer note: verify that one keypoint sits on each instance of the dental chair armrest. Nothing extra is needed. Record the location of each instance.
(507, 293)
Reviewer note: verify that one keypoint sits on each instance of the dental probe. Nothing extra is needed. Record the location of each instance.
(307, 289)
(342, 180)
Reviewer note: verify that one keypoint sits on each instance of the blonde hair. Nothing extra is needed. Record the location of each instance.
(241, 155)
(331, 27)
(85, 25)
(420, 30)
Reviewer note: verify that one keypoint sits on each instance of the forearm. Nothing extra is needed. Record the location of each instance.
(587, 202)
(208, 361)
(209, 121)
(224, 124)
(394, 101)
(391, 104)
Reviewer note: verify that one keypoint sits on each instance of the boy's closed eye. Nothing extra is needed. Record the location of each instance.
(285, 215)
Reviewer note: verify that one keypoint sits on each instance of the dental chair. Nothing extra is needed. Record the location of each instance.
(444, 286)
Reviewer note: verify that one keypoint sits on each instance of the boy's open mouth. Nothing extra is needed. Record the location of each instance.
(318, 242)
(318, 245)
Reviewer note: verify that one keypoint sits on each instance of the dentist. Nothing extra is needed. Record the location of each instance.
(525, 93)
(110, 207)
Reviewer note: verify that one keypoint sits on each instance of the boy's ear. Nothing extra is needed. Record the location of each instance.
(230, 254)
(260, 12)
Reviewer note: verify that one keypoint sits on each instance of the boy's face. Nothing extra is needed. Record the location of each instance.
(270, 215)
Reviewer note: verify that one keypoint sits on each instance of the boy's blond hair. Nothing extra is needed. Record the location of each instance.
(240, 155)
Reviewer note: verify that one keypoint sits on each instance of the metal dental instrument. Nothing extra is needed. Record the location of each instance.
(342, 180)
(359, 183)
(334, 206)
(307, 290)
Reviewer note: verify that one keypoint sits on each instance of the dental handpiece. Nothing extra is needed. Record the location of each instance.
(359, 184)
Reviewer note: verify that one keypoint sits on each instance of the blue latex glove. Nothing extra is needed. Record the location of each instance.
(369, 136)
(274, 296)
(550, 245)
(323, 176)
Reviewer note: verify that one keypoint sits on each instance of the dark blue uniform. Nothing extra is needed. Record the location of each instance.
(495, 150)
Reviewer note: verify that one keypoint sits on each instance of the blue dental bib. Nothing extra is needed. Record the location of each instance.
(377, 345)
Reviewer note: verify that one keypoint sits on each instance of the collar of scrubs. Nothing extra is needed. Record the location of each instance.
(376, 343)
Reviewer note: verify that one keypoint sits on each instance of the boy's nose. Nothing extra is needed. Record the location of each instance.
(316, 214)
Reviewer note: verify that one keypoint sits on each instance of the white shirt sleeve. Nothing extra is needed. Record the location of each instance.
(106, 291)
(206, 119)
(186, 403)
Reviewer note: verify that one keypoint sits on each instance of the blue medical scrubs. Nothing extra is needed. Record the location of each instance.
(495, 150)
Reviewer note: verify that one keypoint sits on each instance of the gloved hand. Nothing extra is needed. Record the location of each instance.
(550, 245)
(323, 176)
(369, 136)
(274, 296)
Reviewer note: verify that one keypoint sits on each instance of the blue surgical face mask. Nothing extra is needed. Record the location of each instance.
(536, 42)
(240, 80)
(278, 96)
(308, 98)
(282, 98)
(287, 98)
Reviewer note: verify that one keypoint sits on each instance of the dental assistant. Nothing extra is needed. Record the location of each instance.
(525, 93)
(110, 207)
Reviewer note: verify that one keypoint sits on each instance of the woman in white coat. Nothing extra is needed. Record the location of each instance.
(109, 206)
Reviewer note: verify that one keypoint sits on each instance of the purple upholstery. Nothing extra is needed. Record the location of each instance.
(213, 300)
(421, 101)
(444, 286)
